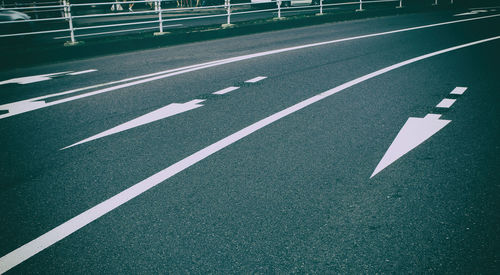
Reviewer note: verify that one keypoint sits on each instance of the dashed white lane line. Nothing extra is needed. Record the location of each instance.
(83, 72)
(226, 90)
(178, 71)
(256, 79)
(458, 91)
(446, 103)
(46, 240)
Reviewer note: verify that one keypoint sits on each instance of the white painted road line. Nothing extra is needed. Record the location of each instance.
(83, 72)
(256, 79)
(226, 90)
(474, 12)
(446, 103)
(46, 240)
(413, 133)
(32, 79)
(167, 111)
(182, 70)
(458, 91)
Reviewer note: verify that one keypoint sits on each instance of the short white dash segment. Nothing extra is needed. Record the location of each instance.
(458, 91)
(83, 72)
(226, 90)
(446, 103)
(256, 79)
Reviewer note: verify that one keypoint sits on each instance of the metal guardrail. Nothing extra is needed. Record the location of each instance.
(44, 15)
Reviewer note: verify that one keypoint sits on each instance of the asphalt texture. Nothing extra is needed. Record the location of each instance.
(294, 196)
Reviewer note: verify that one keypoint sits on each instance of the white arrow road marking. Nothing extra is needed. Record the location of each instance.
(471, 12)
(167, 111)
(32, 79)
(22, 106)
(414, 132)
(42, 77)
(69, 227)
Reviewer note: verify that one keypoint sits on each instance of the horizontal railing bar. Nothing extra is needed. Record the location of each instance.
(117, 25)
(33, 33)
(102, 33)
(114, 14)
(36, 7)
(113, 3)
(253, 11)
(195, 17)
(34, 20)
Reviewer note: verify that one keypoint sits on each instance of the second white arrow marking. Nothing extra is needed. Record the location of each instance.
(167, 111)
(414, 132)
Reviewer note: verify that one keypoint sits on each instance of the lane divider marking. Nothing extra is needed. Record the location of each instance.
(226, 90)
(256, 79)
(446, 103)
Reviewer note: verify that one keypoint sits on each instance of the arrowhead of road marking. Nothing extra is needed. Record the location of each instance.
(164, 112)
(414, 132)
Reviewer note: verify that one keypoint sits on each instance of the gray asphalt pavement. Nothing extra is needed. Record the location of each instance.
(266, 162)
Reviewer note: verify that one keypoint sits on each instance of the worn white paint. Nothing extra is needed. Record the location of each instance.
(168, 73)
(458, 91)
(167, 111)
(446, 103)
(226, 90)
(256, 79)
(414, 132)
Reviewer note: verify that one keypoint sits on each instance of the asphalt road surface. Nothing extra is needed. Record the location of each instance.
(369, 146)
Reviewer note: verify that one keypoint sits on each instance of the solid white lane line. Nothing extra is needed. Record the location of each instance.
(256, 79)
(167, 111)
(458, 91)
(62, 231)
(83, 72)
(446, 103)
(226, 90)
(168, 73)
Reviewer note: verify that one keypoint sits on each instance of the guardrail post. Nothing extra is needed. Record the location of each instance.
(279, 9)
(227, 5)
(360, 6)
(400, 4)
(65, 9)
(160, 17)
(320, 7)
(435, 3)
(70, 21)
